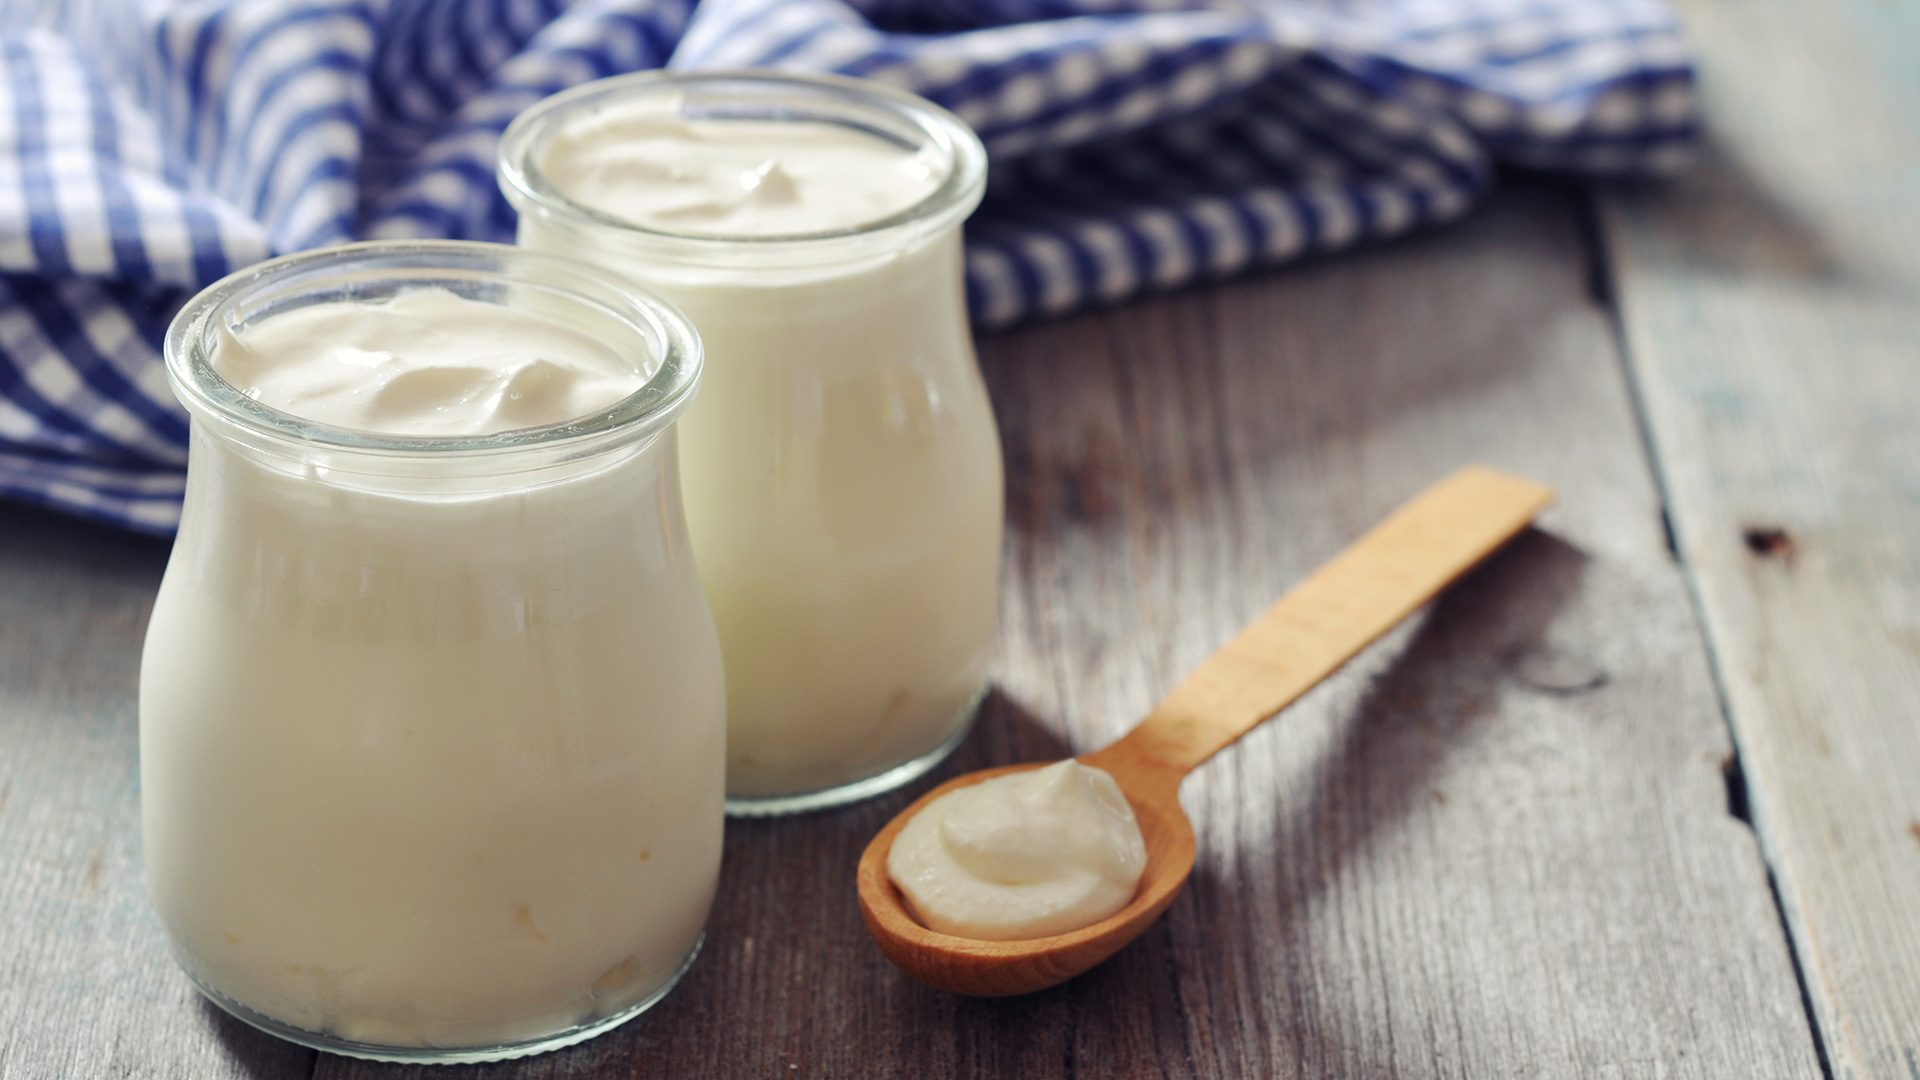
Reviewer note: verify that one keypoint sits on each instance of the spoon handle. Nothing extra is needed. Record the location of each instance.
(1400, 564)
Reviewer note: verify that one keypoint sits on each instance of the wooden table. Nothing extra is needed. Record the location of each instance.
(1641, 797)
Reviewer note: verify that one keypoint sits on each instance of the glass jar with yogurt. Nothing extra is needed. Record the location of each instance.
(842, 468)
(432, 717)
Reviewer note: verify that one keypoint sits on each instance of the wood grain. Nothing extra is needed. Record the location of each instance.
(1495, 846)
(1771, 303)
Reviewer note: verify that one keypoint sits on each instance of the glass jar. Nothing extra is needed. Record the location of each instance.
(432, 728)
(842, 468)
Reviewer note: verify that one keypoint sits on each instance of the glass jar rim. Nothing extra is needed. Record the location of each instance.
(525, 185)
(673, 348)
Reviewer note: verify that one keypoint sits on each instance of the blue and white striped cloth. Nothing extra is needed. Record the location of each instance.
(148, 147)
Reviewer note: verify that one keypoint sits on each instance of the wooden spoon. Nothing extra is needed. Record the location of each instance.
(1341, 608)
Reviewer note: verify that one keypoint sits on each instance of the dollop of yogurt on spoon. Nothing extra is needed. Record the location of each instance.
(1027, 855)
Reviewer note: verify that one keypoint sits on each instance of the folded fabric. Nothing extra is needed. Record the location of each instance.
(148, 148)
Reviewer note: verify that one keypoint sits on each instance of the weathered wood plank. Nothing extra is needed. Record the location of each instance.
(1498, 846)
(1772, 310)
(86, 986)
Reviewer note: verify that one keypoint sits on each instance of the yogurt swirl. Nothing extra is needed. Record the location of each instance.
(427, 362)
(736, 177)
(1027, 855)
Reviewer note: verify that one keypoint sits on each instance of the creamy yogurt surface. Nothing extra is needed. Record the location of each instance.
(1027, 855)
(427, 362)
(735, 177)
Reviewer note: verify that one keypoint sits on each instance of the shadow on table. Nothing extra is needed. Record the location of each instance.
(1448, 678)
(50, 542)
(1005, 733)
(254, 1053)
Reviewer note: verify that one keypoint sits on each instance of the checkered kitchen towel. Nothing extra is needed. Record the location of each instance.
(148, 147)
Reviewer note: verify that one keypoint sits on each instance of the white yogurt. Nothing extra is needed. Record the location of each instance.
(1026, 855)
(842, 468)
(426, 362)
(647, 164)
(429, 759)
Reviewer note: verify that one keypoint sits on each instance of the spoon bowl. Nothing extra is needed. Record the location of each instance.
(1004, 968)
(1318, 626)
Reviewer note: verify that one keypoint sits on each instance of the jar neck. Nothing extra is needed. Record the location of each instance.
(313, 540)
(664, 266)
(411, 473)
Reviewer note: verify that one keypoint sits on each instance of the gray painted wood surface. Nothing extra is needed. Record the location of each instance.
(1498, 845)
(1771, 302)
